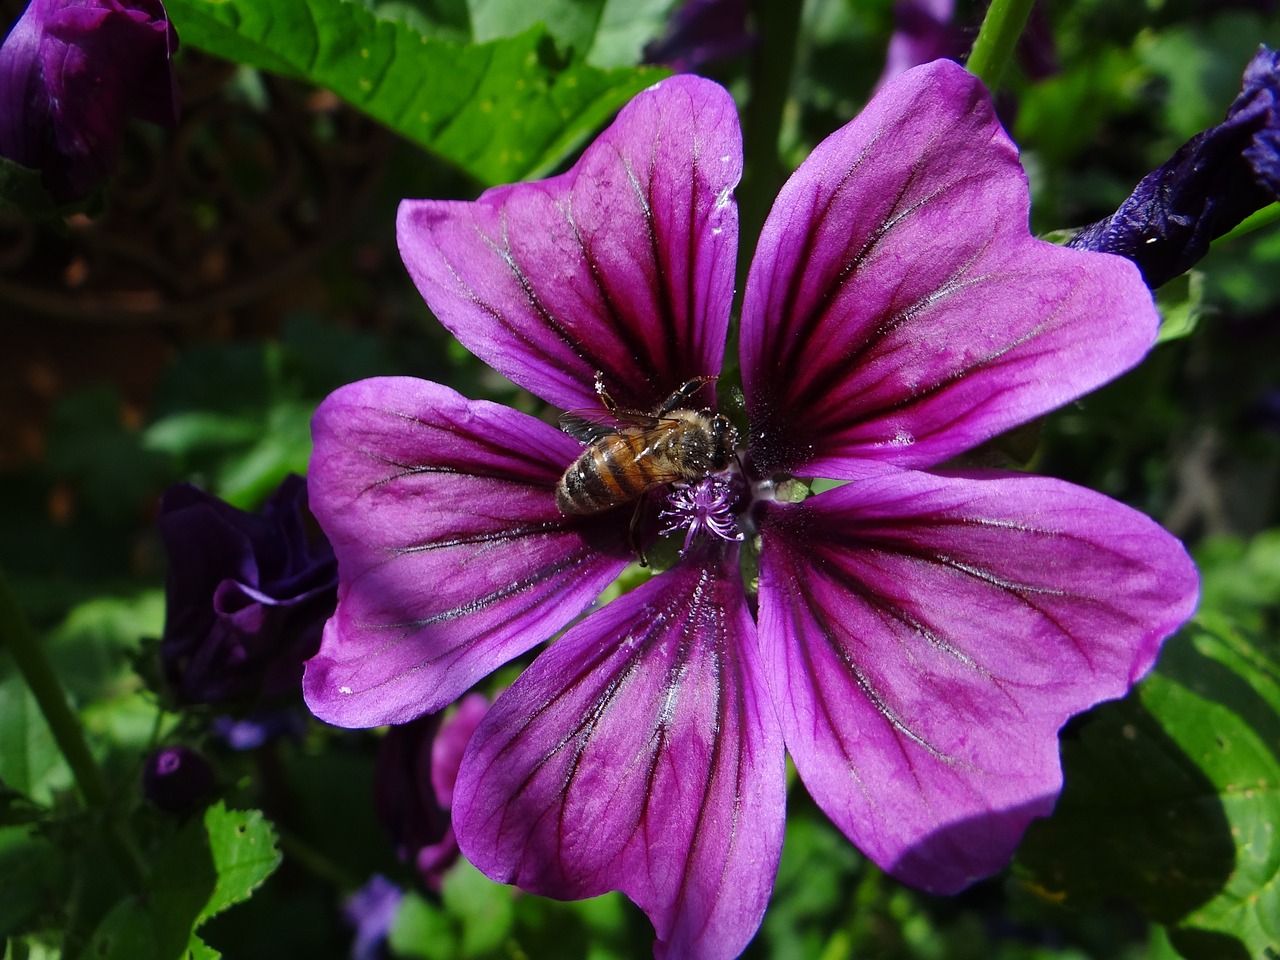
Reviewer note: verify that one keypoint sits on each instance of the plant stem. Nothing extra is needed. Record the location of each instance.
(777, 26)
(35, 668)
(1003, 24)
(1255, 221)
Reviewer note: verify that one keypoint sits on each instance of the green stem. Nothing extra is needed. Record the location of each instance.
(1255, 221)
(1003, 24)
(35, 668)
(313, 860)
(777, 29)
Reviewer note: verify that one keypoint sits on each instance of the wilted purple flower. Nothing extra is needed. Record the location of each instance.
(1214, 180)
(176, 778)
(417, 768)
(700, 31)
(371, 911)
(247, 594)
(71, 73)
(919, 633)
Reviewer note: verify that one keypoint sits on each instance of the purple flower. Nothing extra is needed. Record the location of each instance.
(247, 594)
(1214, 180)
(71, 73)
(176, 778)
(701, 31)
(915, 637)
(371, 911)
(417, 767)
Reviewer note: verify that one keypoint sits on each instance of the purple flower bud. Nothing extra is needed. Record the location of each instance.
(247, 594)
(417, 767)
(176, 778)
(371, 910)
(1214, 180)
(71, 73)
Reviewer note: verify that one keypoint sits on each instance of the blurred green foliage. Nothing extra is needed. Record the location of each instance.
(1168, 813)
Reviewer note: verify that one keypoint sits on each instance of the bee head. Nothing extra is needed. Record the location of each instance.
(724, 437)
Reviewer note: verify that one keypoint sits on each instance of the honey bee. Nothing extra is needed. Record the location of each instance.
(630, 453)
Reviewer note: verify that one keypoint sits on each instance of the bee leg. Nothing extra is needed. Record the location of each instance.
(682, 394)
(633, 534)
(605, 399)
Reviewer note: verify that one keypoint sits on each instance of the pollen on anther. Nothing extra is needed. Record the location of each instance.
(704, 508)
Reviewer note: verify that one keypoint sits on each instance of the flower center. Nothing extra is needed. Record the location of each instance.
(705, 508)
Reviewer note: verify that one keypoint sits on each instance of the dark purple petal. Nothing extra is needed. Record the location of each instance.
(451, 744)
(247, 594)
(71, 73)
(923, 31)
(414, 777)
(1215, 180)
(452, 555)
(622, 265)
(700, 31)
(639, 753)
(176, 778)
(403, 796)
(926, 637)
(899, 310)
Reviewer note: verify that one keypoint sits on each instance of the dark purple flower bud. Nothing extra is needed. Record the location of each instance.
(701, 31)
(247, 594)
(1214, 180)
(417, 767)
(71, 73)
(176, 778)
(371, 910)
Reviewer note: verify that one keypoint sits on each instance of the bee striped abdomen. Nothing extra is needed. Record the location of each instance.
(605, 476)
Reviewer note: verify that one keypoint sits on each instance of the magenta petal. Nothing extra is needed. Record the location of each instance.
(639, 753)
(926, 637)
(622, 265)
(452, 556)
(898, 309)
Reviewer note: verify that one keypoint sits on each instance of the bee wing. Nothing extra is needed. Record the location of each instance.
(592, 424)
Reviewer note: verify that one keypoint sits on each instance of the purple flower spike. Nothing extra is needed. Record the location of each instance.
(921, 636)
(247, 594)
(371, 911)
(1215, 180)
(71, 73)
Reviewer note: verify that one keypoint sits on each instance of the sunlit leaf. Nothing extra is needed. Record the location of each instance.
(505, 110)
(243, 845)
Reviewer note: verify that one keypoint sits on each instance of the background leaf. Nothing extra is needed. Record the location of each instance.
(1176, 790)
(506, 110)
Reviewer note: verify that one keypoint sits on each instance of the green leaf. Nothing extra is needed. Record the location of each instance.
(30, 761)
(506, 110)
(31, 869)
(22, 192)
(1177, 790)
(483, 909)
(183, 434)
(423, 931)
(243, 845)
(1181, 303)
